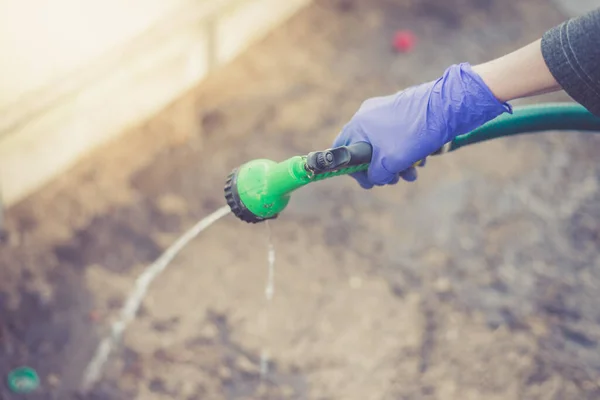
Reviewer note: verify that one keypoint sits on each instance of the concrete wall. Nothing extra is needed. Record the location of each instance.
(76, 73)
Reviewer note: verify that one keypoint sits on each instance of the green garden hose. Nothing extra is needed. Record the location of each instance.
(531, 119)
(260, 189)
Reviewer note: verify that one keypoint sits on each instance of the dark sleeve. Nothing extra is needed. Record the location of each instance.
(572, 53)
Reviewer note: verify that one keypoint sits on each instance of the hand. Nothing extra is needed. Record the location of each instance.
(408, 126)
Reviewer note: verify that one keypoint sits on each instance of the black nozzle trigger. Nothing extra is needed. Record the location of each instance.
(339, 157)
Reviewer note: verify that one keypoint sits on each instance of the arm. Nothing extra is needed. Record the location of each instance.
(567, 57)
(522, 73)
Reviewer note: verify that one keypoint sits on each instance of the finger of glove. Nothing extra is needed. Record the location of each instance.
(344, 137)
(362, 179)
(409, 175)
(340, 140)
(396, 180)
(380, 176)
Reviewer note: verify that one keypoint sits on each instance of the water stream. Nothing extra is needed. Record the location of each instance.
(270, 288)
(137, 294)
(269, 292)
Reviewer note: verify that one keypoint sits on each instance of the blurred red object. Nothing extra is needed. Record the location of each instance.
(94, 316)
(404, 41)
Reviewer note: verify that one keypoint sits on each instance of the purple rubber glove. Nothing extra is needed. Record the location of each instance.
(408, 126)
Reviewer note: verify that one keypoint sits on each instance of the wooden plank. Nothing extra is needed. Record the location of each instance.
(45, 134)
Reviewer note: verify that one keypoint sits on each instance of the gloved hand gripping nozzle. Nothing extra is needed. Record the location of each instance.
(260, 189)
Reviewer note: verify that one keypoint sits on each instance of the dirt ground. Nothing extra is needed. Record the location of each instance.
(479, 281)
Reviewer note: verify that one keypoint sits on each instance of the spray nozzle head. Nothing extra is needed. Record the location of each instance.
(238, 207)
(234, 202)
(260, 189)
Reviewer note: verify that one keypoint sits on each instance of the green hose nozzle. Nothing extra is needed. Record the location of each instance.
(260, 189)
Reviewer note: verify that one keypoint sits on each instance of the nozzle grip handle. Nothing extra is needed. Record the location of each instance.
(360, 153)
(343, 160)
(339, 157)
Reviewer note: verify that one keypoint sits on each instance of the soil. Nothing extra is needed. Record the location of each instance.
(478, 281)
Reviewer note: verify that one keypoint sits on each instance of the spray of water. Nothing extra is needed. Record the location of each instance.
(137, 294)
(270, 288)
(269, 292)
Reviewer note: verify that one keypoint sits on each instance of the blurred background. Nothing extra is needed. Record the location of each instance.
(119, 122)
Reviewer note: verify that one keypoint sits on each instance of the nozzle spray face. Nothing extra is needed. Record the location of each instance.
(237, 206)
(260, 189)
(233, 200)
